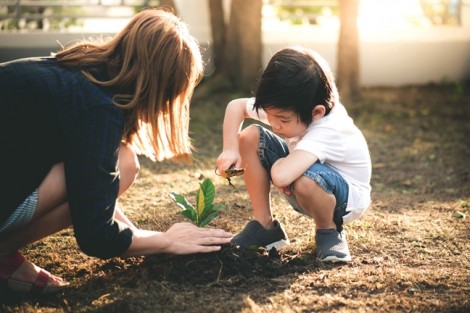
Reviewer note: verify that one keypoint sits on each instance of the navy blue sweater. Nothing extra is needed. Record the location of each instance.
(50, 114)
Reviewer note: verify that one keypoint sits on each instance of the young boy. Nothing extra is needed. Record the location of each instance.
(314, 153)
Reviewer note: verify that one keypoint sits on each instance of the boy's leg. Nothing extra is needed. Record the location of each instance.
(256, 177)
(317, 203)
(322, 194)
(258, 154)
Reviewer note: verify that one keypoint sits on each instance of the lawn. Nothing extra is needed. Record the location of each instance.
(410, 250)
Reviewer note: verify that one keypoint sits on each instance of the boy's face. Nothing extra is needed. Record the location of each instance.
(285, 123)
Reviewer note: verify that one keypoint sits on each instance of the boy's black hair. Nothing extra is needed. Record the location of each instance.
(296, 79)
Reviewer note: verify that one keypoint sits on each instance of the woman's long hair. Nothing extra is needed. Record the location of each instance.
(153, 66)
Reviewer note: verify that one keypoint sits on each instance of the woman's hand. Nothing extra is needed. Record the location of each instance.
(181, 238)
(187, 238)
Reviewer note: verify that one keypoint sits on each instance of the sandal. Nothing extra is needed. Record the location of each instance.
(9, 264)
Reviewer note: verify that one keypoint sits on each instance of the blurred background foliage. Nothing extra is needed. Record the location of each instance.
(62, 14)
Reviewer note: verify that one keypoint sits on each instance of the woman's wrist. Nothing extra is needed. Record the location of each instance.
(147, 242)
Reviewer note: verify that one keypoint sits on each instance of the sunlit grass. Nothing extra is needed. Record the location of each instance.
(410, 250)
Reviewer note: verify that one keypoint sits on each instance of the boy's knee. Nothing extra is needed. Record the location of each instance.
(303, 186)
(249, 136)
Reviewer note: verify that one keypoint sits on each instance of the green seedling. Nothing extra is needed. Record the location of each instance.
(205, 210)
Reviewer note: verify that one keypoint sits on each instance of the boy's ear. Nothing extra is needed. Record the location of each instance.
(318, 112)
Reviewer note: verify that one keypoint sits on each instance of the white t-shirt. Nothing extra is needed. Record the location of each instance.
(334, 139)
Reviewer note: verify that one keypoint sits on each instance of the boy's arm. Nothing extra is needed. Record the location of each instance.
(235, 114)
(286, 170)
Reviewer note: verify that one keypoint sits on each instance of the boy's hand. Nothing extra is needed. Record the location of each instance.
(227, 159)
(285, 190)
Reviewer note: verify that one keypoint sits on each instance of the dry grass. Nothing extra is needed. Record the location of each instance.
(410, 250)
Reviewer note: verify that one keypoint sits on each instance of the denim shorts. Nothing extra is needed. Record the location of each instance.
(272, 147)
(22, 215)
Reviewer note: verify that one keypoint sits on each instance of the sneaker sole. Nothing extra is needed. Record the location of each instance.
(278, 244)
(334, 259)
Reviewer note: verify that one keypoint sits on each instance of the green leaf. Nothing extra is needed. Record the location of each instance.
(208, 189)
(206, 213)
(208, 207)
(200, 202)
(210, 214)
(180, 201)
(459, 215)
(190, 214)
(219, 207)
(205, 210)
(208, 218)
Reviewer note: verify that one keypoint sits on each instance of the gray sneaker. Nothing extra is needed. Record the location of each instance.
(254, 235)
(332, 246)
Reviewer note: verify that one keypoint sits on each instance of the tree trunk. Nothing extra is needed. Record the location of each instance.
(218, 27)
(348, 50)
(242, 61)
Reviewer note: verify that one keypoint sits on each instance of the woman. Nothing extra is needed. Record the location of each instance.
(72, 125)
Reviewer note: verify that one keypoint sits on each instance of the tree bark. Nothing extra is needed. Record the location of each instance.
(242, 61)
(348, 50)
(218, 28)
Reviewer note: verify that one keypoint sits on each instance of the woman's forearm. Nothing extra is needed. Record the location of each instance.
(121, 217)
(147, 242)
